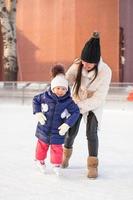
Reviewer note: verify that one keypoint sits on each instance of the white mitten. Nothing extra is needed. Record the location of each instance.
(63, 129)
(41, 118)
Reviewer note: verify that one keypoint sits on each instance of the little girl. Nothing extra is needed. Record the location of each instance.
(56, 112)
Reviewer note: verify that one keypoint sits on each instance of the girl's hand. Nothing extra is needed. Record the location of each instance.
(41, 118)
(63, 129)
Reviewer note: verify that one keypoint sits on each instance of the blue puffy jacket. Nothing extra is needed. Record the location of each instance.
(57, 110)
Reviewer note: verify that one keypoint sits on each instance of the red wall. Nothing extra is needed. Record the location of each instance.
(1, 54)
(55, 31)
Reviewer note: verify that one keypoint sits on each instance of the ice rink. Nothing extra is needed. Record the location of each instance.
(21, 180)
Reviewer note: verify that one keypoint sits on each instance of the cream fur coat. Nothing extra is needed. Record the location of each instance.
(92, 96)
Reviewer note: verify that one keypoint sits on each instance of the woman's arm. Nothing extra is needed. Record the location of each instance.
(99, 96)
(72, 73)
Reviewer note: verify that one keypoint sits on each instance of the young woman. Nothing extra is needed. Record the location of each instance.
(90, 78)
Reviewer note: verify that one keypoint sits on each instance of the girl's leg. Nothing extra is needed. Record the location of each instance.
(41, 150)
(56, 154)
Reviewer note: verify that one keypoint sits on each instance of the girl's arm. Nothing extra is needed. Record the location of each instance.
(37, 100)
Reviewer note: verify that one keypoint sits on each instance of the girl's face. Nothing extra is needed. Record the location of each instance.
(59, 91)
(88, 66)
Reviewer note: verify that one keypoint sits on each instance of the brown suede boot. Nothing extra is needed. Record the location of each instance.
(92, 165)
(66, 156)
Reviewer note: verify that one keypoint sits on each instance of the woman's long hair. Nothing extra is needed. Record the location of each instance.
(77, 83)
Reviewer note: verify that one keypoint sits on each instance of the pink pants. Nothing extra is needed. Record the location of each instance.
(56, 152)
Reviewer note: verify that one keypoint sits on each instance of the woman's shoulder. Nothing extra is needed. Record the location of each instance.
(74, 66)
(77, 61)
(104, 67)
(105, 72)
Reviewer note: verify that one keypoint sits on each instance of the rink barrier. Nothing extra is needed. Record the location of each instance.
(130, 96)
(23, 92)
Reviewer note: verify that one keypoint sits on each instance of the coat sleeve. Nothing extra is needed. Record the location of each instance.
(37, 100)
(74, 114)
(72, 73)
(99, 96)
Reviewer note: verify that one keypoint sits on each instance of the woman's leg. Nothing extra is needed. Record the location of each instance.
(91, 133)
(72, 133)
(68, 143)
(92, 138)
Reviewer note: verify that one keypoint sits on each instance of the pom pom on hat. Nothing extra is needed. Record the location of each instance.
(57, 69)
(91, 52)
(58, 74)
(95, 35)
(59, 81)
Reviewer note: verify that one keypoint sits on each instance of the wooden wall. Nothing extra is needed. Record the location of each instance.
(1, 54)
(126, 17)
(50, 31)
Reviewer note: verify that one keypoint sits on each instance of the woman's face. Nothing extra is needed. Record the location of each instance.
(88, 66)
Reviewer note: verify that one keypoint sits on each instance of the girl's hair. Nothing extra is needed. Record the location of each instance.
(57, 69)
(79, 75)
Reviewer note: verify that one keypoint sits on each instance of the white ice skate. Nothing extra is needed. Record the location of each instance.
(41, 166)
(57, 169)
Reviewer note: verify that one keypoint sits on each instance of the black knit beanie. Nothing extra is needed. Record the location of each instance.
(91, 52)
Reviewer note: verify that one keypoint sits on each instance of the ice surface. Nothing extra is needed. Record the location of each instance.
(20, 179)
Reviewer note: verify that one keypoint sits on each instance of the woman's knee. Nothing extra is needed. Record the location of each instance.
(92, 136)
(91, 127)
